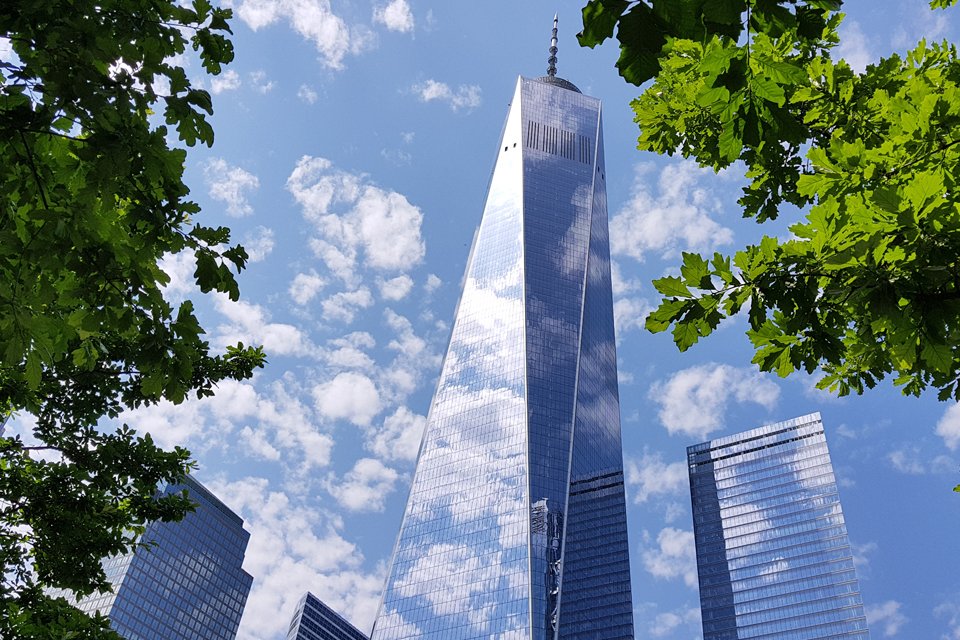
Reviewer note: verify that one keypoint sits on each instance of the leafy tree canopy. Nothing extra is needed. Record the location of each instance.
(869, 284)
(91, 199)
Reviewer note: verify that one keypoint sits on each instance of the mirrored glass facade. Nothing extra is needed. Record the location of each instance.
(772, 551)
(516, 521)
(189, 585)
(313, 620)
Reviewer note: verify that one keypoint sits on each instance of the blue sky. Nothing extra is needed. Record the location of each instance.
(354, 144)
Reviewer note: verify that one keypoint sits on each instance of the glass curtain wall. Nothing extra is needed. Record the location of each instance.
(773, 556)
(522, 446)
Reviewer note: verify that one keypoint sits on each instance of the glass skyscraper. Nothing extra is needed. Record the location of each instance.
(772, 551)
(189, 585)
(313, 620)
(516, 521)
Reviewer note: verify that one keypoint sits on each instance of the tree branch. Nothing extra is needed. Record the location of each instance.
(909, 164)
(33, 169)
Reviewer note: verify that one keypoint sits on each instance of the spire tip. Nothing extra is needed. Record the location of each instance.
(552, 60)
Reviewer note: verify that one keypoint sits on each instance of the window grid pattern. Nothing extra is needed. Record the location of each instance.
(313, 620)
(558, 208)
(189, 584)
(773, 556)
(481, 551)
(596, 601)
(460, 567)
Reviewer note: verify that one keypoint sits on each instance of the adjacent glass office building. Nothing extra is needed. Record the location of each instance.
(189, 585)
(772, 549)
(516, 523)
(313, 620)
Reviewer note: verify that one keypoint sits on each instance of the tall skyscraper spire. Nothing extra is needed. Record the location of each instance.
(552, 60)
(516, 525)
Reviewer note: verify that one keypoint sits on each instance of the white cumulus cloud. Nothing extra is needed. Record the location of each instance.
(343, 306)
(315, 21)
(399, 437)
(394, 15)
(679, 216)
(950, 611)
(307, 94)
(948, 427)
(402, 376)
(854, 46)
(348, 352)
(650, 476)
(259, 243)
(389, 228)
(885, 617)
(356, 224)
(621, 284)
(668, 622)
(258, 443)
(295, 548)
(250, 324)
(365, 487)
(466, 96)
(229, 80)
(271, 423)
(432, 283)
(407, 342)
(630, 313)
(230, 185)
(179, 267)
(349, 396)
(692, 401)
(395, 288)
(305, 286)
(911, 460)
(919, 22)
(6, 51)
(861, 556)
(674, 556)
(260, 81)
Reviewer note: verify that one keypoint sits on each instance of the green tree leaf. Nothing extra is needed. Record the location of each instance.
(867, 286)
(671, 286)
(93, 198)
(600, 17)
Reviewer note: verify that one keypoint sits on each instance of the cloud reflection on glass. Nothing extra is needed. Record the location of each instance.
(773, 555)
(516, 521)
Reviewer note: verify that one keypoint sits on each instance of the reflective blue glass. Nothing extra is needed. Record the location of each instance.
(773, 556)
(313, 620)
(516, 522)
(189, 585)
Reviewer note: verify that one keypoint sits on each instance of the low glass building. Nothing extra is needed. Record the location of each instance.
(773, 556)
(189, 585)
(313, 620)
